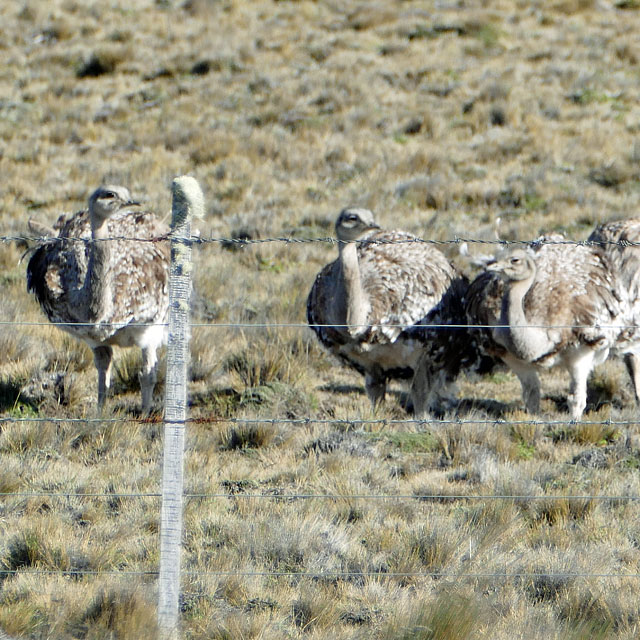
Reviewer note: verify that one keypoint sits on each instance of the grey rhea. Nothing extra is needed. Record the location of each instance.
(550, 304)
(105, 278)
(373, 308)
(619, 241)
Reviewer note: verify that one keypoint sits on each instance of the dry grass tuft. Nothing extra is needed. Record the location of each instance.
(449, 616)
(119, 612)
(249, 436)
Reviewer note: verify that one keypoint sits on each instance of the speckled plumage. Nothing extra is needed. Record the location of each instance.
(57, 274)
(624, 260)
(403, 278)
(573, 286)
(573, 296)
(58, 268)
(407, 285)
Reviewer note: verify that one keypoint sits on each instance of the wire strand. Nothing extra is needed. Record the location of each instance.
(274, 495)
(319, 574)
(384, 422)
(204, 240)
(303, 325)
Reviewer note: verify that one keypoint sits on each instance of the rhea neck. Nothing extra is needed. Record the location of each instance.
(526, 342)
(98, 286)
(355, 309)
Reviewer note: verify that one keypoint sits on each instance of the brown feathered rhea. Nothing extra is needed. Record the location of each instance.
(373, 307)
(553, 303)
(619, 241)
(105, 279)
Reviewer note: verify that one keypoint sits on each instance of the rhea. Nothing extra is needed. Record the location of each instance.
(372, 306)
(553, 305)
(104, 280)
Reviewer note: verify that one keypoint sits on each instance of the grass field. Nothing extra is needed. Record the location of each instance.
(439, 116)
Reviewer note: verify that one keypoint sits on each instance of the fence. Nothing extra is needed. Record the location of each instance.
(172, 496)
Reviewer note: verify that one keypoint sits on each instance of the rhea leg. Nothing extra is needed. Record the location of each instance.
(579, 368)
(429, 387)
(420, 389)
(102, 357)
(375, 384)
(529, 382)
(632, 361)
(148, 375)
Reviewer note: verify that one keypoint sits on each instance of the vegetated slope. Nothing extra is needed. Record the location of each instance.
(440, 119)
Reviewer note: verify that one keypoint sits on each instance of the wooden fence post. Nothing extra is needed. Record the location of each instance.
(187, 202)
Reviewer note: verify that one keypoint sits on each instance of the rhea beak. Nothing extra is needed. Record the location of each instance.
(132, 203)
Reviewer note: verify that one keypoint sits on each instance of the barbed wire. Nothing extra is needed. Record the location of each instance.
(321, 574)
(303, 325)
(275, 495)
(457, 240)
(353, 422)
(242, 241)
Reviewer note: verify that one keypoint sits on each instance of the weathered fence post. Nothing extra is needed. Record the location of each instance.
(187, 202)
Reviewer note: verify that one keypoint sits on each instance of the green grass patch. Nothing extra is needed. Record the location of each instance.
(406, 442)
